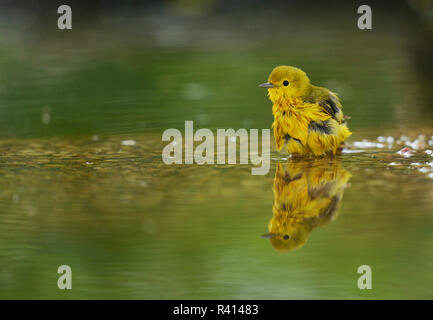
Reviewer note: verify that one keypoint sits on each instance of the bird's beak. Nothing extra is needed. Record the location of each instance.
(266, 85)
(269, 235)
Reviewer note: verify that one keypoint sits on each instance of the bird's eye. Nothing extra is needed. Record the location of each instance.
(286, 237)
(286, 83)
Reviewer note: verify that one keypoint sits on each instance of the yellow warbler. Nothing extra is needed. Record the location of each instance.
(309, 119)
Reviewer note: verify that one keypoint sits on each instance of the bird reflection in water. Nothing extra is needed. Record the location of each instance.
(307, 195)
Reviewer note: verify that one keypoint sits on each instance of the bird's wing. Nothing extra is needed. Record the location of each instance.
(332, 106)
(326, 136)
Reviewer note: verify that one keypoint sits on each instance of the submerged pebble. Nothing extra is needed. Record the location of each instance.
(404, 138)
(424, 170)
(406, 152)
(352, 151)
(395, 164)
(128, 143)
(418, 144)
(367, 144)
(389, 140)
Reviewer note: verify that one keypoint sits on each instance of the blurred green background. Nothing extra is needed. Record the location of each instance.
(133, 67)
(133, 227)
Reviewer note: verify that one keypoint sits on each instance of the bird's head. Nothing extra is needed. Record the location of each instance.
(291, 238)
(287, 82)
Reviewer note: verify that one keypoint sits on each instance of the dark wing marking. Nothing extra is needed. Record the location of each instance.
(287, 137)
(329, 211)
(321, 191)
(332, 107)
(326, 214)
(333, 104)
(287, 178)
(322, 127)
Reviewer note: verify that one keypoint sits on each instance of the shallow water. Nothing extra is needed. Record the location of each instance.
(131, 226)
